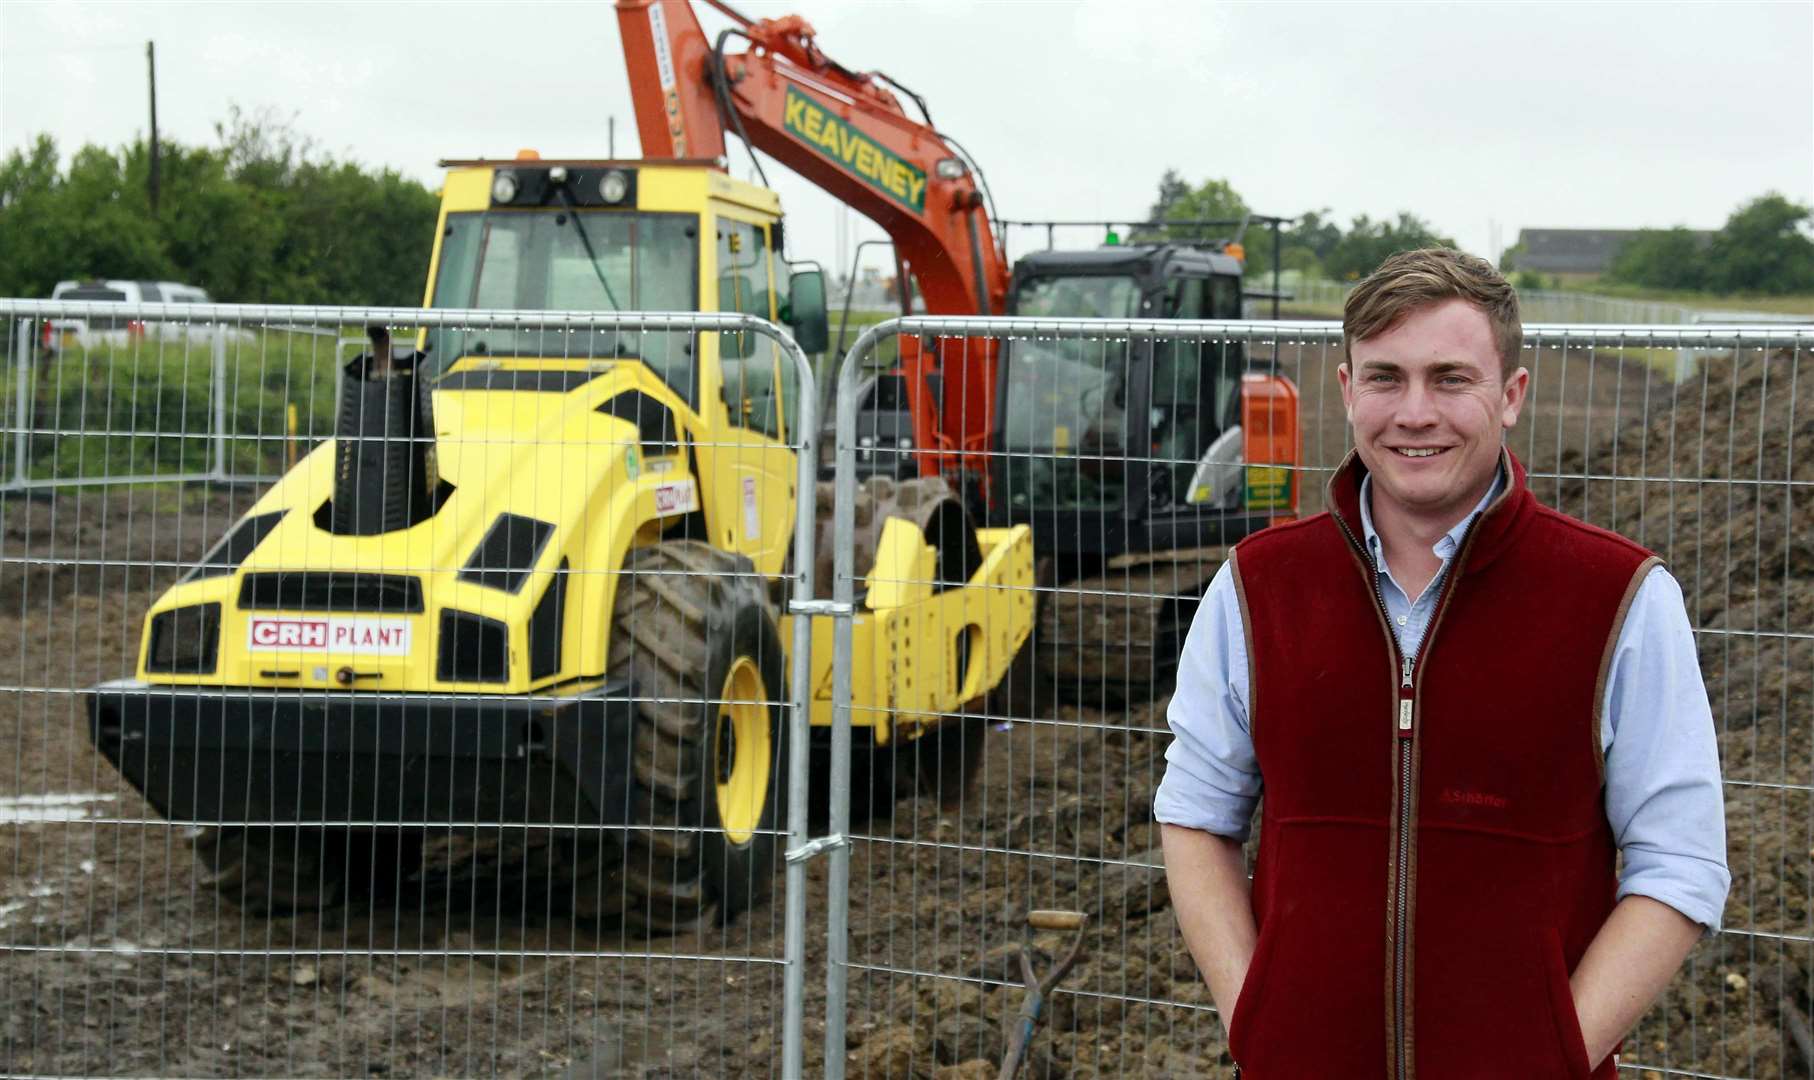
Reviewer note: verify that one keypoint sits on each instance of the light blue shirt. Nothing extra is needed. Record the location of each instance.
(1663, 795)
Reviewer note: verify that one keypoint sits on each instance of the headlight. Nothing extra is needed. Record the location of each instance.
(950, 169)
(613, 186)
(504, 186)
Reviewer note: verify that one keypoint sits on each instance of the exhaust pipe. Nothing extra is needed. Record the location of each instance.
(384, 462)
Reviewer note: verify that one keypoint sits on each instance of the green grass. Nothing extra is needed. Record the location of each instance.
(859, 322)
(1663, 361)
(1793, 304)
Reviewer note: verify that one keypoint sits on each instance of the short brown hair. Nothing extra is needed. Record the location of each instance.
(1412, 280)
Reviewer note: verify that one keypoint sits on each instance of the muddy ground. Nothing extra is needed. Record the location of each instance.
(114, 962)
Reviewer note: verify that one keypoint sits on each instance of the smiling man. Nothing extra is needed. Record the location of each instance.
(1492, 826)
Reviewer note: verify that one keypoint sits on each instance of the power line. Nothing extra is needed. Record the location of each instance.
(68, 51)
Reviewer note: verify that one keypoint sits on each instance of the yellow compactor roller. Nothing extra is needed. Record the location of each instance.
(538, 578)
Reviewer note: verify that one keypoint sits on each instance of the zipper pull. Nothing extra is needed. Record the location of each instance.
(1406, 697)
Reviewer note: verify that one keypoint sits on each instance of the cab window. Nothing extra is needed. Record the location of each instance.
(790, 378)
(1224, 297)
(1193, 382)
(540, 261)
(1190, 299)
(751, 393)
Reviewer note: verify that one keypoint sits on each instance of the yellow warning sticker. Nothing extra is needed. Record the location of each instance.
(1268, 488)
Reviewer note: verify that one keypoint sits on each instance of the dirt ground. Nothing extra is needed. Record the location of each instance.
(114, 962)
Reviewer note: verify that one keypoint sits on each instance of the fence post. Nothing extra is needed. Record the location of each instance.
(21, 398)
(220, 403)
(837, 886)
(799, 747)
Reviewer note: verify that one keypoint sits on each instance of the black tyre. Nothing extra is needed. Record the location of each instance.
(283, 870)
(692, 633)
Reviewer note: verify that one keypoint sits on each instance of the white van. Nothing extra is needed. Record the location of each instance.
(59, 334)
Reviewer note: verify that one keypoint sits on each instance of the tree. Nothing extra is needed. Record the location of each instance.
(1312, 244)
(1367, 243)
(29, 180)
(1314, 232)
(1763, 248)
(55, 224)
(258, 218)
(1662, 259)
(1178, 201)
(1172, 189)
(1303, 244)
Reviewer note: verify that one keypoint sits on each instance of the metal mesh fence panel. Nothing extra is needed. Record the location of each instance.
(373, 712)
(1038, 792)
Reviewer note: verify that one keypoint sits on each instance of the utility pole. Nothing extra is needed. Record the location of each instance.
(611, 138)
(151, 182)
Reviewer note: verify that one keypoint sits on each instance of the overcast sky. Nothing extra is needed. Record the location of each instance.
(1477, 117)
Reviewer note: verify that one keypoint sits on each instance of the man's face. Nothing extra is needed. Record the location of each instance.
(1429, 411)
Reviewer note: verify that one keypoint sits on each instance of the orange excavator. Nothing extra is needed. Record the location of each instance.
(848, 133)
(1135, 462)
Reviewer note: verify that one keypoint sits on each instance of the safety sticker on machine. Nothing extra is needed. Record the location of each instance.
(752, 520)
(676, 497)
(1268, 487)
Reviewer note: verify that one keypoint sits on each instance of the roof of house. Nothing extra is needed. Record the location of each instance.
(1577, 251)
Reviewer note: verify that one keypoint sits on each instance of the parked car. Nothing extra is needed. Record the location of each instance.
(59, 334)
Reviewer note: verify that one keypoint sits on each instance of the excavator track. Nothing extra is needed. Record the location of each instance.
(1113, 639)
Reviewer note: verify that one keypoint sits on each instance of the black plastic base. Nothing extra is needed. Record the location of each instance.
(234, 755)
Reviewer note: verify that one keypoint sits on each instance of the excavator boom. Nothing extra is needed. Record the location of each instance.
(847, 132)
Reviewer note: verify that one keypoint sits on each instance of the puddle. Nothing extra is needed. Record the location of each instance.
(15, 809)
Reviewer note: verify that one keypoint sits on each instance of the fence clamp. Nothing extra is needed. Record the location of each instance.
(819, 607)
(817, 846)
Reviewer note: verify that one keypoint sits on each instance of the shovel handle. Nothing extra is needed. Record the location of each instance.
(1056, 920)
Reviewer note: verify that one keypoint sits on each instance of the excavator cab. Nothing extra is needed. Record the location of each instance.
(1111, 445)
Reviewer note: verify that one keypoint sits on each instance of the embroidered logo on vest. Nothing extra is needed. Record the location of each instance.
(1458, 797)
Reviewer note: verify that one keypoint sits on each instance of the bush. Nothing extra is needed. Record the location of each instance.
(150, 410)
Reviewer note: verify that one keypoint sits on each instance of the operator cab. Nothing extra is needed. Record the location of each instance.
(1100, 439)
(592, 237)
(605, 236)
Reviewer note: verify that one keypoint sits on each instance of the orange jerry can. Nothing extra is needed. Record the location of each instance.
(1271, 445)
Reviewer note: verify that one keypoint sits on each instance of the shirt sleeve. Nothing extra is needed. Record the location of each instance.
(1212, 779)
(1663, 795)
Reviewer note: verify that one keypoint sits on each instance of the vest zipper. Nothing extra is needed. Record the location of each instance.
(1407, 707)
(1407, 703)
(1406, 732)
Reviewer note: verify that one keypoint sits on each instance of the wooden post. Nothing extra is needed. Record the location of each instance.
(151, 182)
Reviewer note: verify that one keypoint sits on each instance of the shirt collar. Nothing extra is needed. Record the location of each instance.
(1450, 541)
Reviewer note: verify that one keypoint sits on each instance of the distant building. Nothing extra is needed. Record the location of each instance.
(1572, 251)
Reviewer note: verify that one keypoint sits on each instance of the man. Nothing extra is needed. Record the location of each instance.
(1461, 707)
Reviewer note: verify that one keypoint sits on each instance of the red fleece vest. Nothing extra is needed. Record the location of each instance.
(1434, 857)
